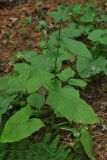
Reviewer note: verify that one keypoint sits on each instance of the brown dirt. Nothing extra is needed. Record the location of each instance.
(96, 95)
(15, 37)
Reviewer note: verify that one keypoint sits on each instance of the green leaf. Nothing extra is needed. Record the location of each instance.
(87, 143)
(105, 18)
(4, 84)
(88, 68)
(43, 44)
(39, 79)
(73, 30)
(40, 3)
(73, 46)
(76, 9)
(20, 126)
(66, 101)
(66, 74)
(29, 56)
(53, 85)
(34, 59)
(76, 47)
(89, 29)
(77, 82)
(28, 77)
(28, 20)
(61, 14)
(23, 69)
(16, 83)
(99, 35)
(89, 15)
(43, 23)
(39, 61)
(36, 100)
(83, 66)
(31, 77)
(95, 35)
(62, 55)
(103, 40)
(5, 101)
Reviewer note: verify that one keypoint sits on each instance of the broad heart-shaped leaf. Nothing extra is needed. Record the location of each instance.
(36, 100)
(76, 47)
(20, 126)
(77, 82)
(87, 143)
(66, 74)
(66, 101)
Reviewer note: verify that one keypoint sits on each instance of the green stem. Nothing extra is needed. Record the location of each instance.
(56, 59)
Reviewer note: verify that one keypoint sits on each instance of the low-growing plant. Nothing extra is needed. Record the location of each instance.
(87, 24)
(28, 21)
(46, 149)
(44, 89)
(49, 147)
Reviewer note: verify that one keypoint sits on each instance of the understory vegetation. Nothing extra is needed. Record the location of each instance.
(40, 100)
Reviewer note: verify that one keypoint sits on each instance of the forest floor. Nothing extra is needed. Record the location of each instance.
(14, 37)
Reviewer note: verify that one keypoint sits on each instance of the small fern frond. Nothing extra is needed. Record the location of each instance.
(47, 149)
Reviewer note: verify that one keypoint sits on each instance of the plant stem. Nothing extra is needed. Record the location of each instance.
(58, 47)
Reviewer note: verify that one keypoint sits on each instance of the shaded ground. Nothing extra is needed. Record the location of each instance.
(96, 95)
(14, 37)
